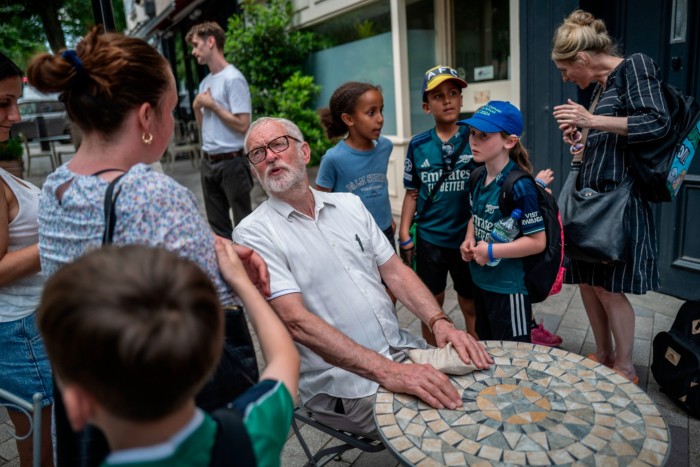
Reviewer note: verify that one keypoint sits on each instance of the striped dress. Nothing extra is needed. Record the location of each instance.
(605, 166)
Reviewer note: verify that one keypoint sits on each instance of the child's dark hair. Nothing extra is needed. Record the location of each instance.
(519, 155)
(138, 328)
(343, 101)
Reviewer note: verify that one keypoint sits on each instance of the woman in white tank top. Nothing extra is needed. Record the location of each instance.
(24, 366)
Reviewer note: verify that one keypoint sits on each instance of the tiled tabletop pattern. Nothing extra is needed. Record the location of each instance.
(536, 406)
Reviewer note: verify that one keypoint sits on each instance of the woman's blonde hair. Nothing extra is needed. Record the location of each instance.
(581, 32)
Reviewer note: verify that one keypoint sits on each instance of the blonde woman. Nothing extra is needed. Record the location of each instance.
(584, 53)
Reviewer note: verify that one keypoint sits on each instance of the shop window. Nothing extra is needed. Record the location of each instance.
(357, 47)
(355, 25)
(482, 39)
(420, 23)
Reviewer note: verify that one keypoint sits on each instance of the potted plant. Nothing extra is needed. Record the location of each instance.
(11, 156)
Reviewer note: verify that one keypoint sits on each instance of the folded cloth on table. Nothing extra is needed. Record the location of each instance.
(445, 360)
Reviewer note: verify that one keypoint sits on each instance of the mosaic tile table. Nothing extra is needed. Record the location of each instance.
(535, 406)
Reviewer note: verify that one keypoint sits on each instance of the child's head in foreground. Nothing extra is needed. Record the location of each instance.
(138, 329)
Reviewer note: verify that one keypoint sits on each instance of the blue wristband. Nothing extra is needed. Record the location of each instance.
(490, 251)
(541, 183)
(410, 240)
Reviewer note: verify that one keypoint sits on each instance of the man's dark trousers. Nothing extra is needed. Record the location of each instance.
(226, 184)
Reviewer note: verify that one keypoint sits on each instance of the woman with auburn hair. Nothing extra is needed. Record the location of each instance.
(24, 366)
(630, 110)
(121, 93)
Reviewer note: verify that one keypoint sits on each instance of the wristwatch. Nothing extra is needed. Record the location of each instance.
(437, 318)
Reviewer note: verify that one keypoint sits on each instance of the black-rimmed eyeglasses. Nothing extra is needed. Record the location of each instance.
(277, 145)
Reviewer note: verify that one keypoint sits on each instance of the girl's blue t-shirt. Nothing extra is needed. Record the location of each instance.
(363, 173)
(508, 276)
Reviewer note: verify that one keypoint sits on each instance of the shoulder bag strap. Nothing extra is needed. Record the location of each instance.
(232, 445)
(110, 214)
(456, 153)
(578, 158)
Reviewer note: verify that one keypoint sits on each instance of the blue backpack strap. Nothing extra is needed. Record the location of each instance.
(232, 445)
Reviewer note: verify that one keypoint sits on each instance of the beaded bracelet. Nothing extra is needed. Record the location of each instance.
(407, 242)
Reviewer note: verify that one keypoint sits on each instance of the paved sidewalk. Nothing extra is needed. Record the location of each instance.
(563, 314)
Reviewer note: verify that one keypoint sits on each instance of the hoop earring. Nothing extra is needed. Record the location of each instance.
(146, 139)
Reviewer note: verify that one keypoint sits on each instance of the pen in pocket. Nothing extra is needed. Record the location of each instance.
(359, 242)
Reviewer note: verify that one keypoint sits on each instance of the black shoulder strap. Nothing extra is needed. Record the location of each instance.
(456, 153)
(474, 177)
(505, 200)
(232, 445)
(110, 214)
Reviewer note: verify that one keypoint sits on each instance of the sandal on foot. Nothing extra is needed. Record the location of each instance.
(593, 357)
(635, 380)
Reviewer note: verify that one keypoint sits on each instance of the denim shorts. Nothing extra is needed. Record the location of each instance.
(24, 365)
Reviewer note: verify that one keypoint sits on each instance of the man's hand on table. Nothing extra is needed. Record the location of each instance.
(468, 348)
(424, 381)
(427, 383)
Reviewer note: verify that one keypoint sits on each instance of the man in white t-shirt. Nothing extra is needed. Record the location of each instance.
(327, 258)
(222, 109)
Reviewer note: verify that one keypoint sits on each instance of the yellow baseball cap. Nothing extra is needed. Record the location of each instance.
(438, 75)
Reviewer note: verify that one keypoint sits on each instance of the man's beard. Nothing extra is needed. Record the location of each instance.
(286, 180)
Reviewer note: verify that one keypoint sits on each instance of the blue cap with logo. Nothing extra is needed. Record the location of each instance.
(496, 116)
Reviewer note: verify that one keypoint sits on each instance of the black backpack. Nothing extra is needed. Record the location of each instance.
(544, 272)
(659, 166)
(232, 446)
(676, 359)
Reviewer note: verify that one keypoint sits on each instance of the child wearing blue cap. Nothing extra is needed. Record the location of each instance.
(503, 309)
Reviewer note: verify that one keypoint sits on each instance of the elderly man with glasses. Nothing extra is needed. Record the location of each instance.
(327, 258)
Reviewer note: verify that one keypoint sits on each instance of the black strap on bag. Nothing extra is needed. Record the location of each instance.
(445, 173)
(109, 202)
(110, 214)
(232, 445)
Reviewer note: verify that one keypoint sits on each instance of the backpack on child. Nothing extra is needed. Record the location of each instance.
(232, 445)
(676, 359)
(660, 166)
(544, 272)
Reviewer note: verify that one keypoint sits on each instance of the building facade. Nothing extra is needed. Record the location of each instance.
(393, 42)
(501, 47)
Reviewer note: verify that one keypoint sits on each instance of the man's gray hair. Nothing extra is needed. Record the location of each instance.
(289, 126)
